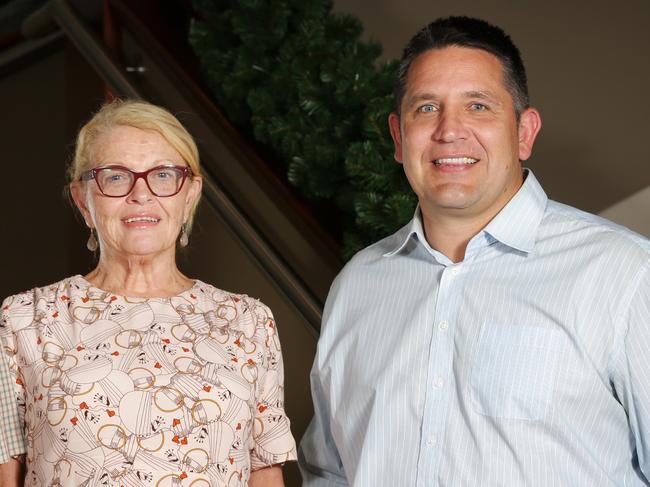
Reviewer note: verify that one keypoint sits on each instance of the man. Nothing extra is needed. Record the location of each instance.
(500, 338)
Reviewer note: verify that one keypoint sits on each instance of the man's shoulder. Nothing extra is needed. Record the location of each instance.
(376, 253)
(375, 259)
(582, 227)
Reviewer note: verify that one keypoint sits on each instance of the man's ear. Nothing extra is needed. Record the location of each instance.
(530, 123)
(78, 192)
(396, 134)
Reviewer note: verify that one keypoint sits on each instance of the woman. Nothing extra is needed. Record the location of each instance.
(136, 375)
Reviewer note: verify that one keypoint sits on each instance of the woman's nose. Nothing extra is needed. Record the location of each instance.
(140, 193)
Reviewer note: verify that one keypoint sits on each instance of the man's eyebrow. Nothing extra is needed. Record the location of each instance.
(476, 94)
(481, 95)
(418, 97)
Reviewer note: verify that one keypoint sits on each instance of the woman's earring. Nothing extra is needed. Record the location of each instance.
(92, 241)
(184, 240)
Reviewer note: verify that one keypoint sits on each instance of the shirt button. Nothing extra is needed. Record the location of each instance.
(438, 382)
(454, 271)
(431, 441)
(443, 325)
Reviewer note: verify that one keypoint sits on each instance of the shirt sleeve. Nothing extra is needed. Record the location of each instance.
(319, 458)
(273, 442)
(12, 441)
(633, 369)
(319, 461)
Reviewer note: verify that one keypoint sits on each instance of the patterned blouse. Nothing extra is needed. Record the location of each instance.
(117, 391)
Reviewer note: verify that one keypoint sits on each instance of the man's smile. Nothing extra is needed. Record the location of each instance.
(455, 161)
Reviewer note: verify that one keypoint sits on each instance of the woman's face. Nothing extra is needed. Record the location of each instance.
(139, 224)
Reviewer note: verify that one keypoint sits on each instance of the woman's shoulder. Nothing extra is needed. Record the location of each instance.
(69, 285)
(236, 307)
(24, 305)
(217, 295)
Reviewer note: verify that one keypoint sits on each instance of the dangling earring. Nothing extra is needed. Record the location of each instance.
(92, 241)
(184, 240)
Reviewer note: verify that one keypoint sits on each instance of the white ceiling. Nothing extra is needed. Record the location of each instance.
(632, 212)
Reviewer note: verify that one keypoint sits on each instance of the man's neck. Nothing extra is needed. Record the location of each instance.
(449, 230)
(450, 234)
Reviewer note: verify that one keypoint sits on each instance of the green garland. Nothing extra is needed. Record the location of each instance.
(301, 81)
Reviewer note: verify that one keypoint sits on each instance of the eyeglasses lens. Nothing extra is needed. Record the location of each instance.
(114, 182)
(165, 181)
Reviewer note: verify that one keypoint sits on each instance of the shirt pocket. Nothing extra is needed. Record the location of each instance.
(515, 370)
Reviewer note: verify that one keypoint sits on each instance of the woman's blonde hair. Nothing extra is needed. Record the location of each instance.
(141, 115)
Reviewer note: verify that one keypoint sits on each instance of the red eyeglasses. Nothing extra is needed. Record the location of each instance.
(118, 181)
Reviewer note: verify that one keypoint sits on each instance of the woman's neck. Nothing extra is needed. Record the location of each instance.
(139, 276)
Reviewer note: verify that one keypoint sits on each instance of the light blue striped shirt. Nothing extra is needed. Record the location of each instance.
(526, 364)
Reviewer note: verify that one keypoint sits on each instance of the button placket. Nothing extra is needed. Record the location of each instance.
(437, 398)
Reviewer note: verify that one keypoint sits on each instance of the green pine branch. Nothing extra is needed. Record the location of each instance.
(299, 79)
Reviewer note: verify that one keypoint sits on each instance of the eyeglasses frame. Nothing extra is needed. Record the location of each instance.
(92, 174)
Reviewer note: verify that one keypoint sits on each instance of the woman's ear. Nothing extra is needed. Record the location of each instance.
(79, 196)
(196, 184)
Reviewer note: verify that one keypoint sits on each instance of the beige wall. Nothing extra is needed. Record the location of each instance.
(43, 104)
(34, 214)
(588, 64)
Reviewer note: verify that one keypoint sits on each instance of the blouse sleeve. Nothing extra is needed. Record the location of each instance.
(12, 393)
(273, 442)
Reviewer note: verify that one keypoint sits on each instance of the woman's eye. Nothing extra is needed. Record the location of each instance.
(164, 175)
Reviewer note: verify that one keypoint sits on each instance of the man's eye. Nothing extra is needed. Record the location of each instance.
(427, 108)
(478, 107)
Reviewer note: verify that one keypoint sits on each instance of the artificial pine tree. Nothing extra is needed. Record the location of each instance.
(299, 79)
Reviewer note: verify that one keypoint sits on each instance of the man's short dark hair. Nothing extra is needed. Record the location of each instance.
(471, 33)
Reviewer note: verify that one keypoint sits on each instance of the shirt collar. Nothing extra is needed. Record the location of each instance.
(414, 229)
(515, 225)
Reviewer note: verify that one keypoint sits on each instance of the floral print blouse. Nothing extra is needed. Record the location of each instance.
(117, 391)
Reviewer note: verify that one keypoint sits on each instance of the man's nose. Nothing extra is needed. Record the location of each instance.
(451, 127)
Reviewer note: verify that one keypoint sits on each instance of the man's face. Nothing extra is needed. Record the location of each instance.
(458, 136)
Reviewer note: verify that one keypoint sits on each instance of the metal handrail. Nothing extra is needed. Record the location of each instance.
(17, 55)
(91, 49)
(251, 239)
